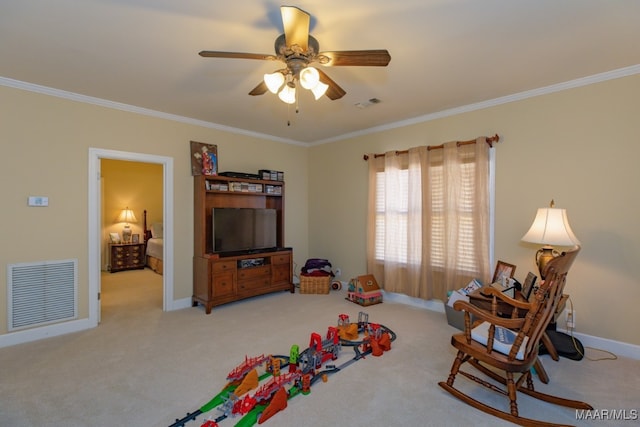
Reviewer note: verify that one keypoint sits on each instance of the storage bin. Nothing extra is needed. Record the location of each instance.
(314, 284)
(456, 318)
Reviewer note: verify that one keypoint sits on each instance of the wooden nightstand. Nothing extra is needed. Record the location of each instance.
(126, 256)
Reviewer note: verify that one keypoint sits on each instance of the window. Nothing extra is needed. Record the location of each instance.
(394, 216)
(395, 236)
(431, 216)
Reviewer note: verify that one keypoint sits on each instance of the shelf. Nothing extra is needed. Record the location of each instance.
(223, 184)
(217, 279)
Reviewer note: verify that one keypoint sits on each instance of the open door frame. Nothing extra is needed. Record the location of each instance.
(95, 225)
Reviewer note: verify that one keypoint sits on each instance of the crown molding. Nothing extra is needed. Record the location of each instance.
(584, 81)
(31, 87)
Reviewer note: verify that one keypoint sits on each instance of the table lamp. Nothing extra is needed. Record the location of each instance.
(127, 216)
(550, 227)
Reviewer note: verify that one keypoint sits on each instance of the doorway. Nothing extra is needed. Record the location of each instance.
(95, 224)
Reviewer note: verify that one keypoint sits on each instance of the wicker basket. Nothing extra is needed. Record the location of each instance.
(314, 284)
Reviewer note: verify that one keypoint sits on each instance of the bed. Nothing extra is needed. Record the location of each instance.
(153, 239)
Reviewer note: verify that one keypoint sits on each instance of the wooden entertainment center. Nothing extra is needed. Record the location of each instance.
(220, 278)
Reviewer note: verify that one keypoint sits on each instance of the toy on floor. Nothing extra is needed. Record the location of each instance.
(305, 369)
(364, 290)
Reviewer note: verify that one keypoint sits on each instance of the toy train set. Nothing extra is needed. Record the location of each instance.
(305, 369)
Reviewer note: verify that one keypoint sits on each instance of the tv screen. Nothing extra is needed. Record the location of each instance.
(240, 229)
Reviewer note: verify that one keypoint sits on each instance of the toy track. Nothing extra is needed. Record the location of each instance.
(311, 361)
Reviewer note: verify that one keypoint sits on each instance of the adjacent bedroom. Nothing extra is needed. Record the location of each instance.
(154, 239)
(132, 223)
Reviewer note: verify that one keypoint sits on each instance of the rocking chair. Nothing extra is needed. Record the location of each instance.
(509, 346)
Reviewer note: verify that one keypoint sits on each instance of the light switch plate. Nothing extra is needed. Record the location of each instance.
(38, 201)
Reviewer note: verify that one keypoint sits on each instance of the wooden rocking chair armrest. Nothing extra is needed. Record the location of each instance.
(486, 316)
(483, 316)
(490, 291)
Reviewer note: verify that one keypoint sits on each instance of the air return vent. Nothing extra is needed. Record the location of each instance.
(42, 293)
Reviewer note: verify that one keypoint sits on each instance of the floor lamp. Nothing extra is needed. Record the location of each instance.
(551, 228)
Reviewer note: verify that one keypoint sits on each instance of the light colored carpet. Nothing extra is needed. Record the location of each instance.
(144, 367)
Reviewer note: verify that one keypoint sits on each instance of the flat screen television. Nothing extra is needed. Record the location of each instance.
(244, 229)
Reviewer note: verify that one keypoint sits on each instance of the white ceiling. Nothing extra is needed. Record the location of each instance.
(445, 54)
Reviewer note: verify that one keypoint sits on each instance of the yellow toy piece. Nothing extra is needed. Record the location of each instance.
(249, 382)
(348, 332)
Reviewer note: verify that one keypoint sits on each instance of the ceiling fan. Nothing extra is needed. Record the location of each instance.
(298, 50)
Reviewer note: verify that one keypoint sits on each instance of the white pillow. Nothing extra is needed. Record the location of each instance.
(157, 230)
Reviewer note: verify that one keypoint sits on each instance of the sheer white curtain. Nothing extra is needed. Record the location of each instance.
(428, 222)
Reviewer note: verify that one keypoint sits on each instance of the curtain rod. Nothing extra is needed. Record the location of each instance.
(490, 141)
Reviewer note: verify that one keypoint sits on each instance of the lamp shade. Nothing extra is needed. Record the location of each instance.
(551, 227)
(309, 78)
(319, 90)
(288, 94)
(127, 216)
(274, 81)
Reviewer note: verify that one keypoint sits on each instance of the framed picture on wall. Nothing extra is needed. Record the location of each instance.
(204, 159)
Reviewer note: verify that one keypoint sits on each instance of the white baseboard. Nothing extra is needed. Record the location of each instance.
(433, 305)
(180, 304)
(42, 332)
(618, 348)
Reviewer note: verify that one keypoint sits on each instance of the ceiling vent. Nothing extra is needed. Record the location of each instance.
(366, 104)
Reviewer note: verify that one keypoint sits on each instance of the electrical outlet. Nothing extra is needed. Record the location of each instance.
(571, 319)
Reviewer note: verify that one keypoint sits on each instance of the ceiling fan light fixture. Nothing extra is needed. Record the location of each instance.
(298, 49)
(319, 90)
(309, 78)
(288, 94)
(274, 81)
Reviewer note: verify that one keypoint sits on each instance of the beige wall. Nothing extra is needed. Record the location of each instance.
(583, 143)
(45, 143)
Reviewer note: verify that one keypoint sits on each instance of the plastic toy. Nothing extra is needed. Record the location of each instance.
(364, 290)
(305, 369)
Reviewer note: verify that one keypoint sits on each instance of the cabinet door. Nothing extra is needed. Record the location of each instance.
(223, 279)
(223, 284)
(281, 274)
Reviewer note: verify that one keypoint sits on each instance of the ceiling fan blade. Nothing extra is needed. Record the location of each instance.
(371, 58)
(296, 26)
(261, 89)
(334, 92)
(237, 55)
